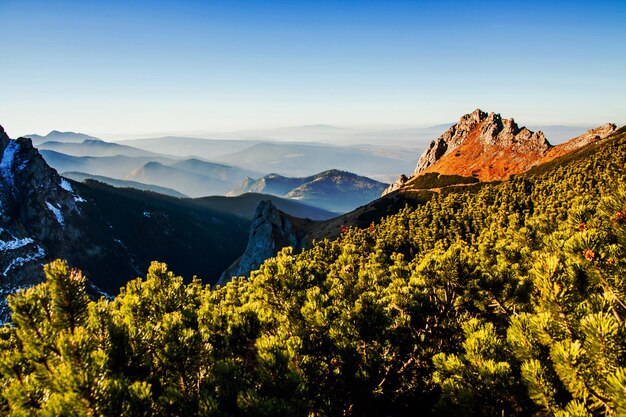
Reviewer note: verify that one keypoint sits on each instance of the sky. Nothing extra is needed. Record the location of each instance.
(132, 67)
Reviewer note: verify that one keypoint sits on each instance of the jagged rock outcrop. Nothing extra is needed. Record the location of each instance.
(484, 146)
(396, 185)
(589, 137)
(37, 213)
(270, 231)
(450, 140)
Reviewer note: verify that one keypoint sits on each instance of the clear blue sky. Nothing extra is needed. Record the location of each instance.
(150, 66)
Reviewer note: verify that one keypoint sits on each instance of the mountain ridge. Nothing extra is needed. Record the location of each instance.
(334, 190)
(490, 148)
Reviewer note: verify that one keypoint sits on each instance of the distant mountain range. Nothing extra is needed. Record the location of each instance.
(118, 166)
(185, 147)
(381, 162)
(296, 159)
(192, 177)
(111, 161)
(332, 190)
(167, 167)
(56, 136)
(94, 147)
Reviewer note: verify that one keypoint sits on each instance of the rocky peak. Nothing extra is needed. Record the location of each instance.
(589, 136)
(4, 139)
(396, 185)
(270, 231)
(487, 130)
(36, 209)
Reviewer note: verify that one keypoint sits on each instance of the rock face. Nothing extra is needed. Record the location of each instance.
(484, 146)
(271, 230)
(487, 147)
(396, 185)
(38, 213)
(589, 137)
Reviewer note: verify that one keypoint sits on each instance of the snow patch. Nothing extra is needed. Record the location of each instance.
(57, 213)
(7, 161)
(14, 244)
(66, 185)
(21, 260)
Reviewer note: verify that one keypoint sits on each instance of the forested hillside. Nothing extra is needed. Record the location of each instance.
(487, 300)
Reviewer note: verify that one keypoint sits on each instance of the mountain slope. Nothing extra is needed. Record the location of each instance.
(192, 177)
(332, 190)
(414, 193)
(489, 148)
(109, 166)
(94, 147)
(82, 177)
(245, 206)
(112, 233)
(39, 214)
(57, 136)
(130, 228)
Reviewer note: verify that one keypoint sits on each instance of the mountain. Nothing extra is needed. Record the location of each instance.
(129, 228)
(192, 177)
(590, 136)
(110, 232)
(38, 212)
(489, 148)
(94, 147)
(82, 177)
(56, 136)
(225, 173)
(270, 231)
(333, 190)
(246, 204)
(484, 146)
(118, 166)
(272, 226)
(298, 159)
